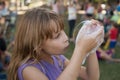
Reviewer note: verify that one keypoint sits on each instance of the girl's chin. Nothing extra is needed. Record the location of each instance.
(66, 48)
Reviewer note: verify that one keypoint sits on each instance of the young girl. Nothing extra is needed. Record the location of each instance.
(39, 44)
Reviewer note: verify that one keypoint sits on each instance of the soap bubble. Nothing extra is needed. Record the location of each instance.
(87, 28)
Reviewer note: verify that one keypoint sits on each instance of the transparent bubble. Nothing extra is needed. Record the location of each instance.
(87, 28)
(77, 28)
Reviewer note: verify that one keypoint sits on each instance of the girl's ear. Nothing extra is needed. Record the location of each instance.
(36, 52)
(37, 49)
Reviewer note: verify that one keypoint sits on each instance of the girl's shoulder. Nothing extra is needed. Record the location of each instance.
(40, 64)
(45, 67)
(28, 64)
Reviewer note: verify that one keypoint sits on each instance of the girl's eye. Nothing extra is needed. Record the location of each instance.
(57, 36)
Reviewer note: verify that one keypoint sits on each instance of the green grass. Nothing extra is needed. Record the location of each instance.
(108, 71)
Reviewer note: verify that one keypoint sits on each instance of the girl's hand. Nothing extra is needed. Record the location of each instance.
(88, 42)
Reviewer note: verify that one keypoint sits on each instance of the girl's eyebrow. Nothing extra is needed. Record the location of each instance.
(56, 34)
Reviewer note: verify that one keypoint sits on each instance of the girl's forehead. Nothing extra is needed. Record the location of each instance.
(55, 26)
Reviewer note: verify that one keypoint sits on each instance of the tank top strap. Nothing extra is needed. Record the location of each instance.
(20, 70)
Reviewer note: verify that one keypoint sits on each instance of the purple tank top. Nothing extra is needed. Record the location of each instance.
(52, 71)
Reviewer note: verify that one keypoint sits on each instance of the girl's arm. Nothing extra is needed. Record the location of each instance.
(91, 71)
(71, 72)
(92, 67)
(74, 69)
(82, 47)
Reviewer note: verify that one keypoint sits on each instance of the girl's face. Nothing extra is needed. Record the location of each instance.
(57, 45)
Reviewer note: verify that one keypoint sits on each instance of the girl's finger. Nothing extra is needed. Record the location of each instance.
(94, 22)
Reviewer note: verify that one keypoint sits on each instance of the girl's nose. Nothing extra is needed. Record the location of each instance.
(65, 37)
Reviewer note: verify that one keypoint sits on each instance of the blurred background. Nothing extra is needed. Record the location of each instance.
(72, 12)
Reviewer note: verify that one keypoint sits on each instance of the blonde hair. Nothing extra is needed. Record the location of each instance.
(36, 26)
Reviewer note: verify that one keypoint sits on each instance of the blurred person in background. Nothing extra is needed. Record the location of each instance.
(72, 16)
(3, 9)
(4, 55)
(105, 55)
(112, 36)
(55, 6)
(99, 15)
(61, 7)
(90, 11)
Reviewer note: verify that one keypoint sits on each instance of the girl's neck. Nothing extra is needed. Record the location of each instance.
(48, 58)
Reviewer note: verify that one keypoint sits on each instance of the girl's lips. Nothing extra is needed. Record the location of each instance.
(67, 46)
